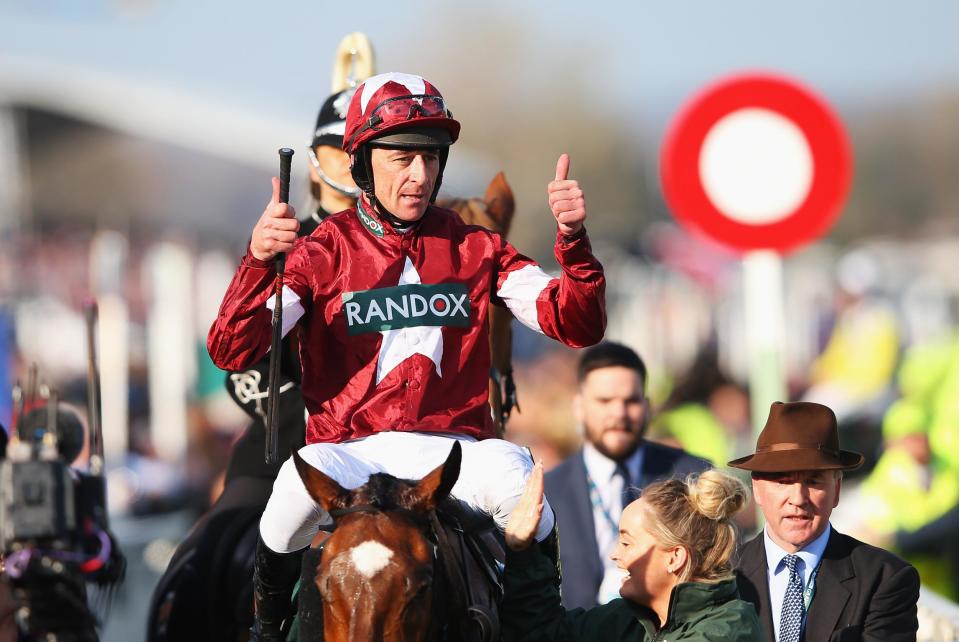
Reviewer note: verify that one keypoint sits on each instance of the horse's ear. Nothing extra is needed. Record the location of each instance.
(434, 488)
(323, 489)
(500, 204)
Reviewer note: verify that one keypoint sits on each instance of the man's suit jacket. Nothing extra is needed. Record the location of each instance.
(568, 494)
(862, 592)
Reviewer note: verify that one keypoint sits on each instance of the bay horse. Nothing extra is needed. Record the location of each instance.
(389, 571)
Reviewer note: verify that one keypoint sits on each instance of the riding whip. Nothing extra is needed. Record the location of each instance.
(276, 348)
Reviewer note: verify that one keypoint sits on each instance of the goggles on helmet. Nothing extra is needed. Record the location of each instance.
(399, 109)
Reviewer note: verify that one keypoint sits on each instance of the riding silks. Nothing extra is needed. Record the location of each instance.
(403, 318)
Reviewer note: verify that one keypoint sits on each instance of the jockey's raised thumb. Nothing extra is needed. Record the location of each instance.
(562, 167)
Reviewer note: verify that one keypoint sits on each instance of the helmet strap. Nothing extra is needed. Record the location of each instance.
(444, 156)
(361, 166)
(395, 222)
(345, 190)
(362, 170)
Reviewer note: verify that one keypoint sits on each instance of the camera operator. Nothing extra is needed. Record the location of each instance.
(53, 530)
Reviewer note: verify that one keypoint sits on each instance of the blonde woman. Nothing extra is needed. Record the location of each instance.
(675, 543)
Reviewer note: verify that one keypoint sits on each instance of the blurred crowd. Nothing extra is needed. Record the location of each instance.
(871, 332)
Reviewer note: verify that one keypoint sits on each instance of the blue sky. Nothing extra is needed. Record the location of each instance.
(643, 58)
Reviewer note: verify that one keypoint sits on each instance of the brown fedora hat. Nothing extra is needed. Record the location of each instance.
(799, 436)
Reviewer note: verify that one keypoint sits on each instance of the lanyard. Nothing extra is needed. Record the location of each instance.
(597, 500)
(810, 591)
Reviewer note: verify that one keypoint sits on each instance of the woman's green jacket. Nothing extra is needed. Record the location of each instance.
(698, 611)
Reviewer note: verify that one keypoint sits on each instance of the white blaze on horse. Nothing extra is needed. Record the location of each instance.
(370, 557)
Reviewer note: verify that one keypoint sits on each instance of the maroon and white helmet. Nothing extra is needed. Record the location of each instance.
(399, 109)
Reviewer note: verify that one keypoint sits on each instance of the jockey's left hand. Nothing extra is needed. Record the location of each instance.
(524, 520)
(566, 199)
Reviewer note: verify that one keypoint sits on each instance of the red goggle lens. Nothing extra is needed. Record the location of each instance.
(408, 108)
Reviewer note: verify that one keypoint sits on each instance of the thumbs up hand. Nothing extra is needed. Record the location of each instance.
(566, 199)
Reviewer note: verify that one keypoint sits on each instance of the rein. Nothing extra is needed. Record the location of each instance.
(459, 599)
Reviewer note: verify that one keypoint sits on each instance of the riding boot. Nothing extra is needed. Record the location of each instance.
(309, 600)
(274, 575)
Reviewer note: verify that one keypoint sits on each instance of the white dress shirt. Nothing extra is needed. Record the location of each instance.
(605, 489)
(809, 558)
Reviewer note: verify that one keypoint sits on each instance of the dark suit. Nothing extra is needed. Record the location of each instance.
(862, 592)
(568, 495)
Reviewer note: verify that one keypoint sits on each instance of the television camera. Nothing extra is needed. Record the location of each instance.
(54, 528)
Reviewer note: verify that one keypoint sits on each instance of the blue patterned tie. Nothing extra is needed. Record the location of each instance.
(629, 493)
(790, 620)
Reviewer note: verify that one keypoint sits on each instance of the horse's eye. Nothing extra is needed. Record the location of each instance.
(326, 590)
(417, 585)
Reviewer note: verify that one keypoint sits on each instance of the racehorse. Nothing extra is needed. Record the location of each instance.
(206, 592)
(390, 571)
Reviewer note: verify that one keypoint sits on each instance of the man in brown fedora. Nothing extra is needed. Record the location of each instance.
(807, 581)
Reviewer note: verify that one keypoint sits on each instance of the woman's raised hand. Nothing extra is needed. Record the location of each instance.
(524, 520)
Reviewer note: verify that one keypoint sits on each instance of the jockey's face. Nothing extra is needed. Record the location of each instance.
(403, 179)
(612, 408)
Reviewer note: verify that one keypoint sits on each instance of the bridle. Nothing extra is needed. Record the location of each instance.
(425, 524)
(421, 520)
(436, 535)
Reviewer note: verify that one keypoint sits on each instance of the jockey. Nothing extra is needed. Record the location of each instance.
(391, 297)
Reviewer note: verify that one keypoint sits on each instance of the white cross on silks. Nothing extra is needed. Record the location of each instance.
(791, 618)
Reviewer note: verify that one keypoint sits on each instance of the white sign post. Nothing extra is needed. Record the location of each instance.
(761, 165)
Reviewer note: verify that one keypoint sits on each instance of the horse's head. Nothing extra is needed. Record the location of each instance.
(494, 211)
(376, 573)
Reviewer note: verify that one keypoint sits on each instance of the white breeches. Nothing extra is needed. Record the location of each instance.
(492, 477)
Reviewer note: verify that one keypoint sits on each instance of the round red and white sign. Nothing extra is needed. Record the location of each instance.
(756, 161)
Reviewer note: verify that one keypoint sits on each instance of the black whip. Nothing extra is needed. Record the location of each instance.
(273, 391)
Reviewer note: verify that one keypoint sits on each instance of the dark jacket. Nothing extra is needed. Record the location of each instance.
(862, 592)
(531, 610)
(568, 495)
